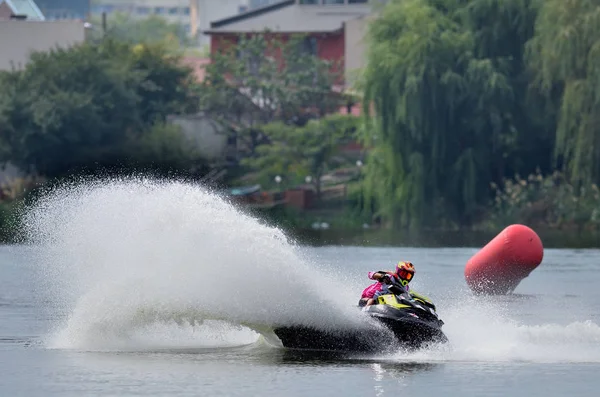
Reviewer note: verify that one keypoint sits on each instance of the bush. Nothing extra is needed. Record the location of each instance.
(546, 200)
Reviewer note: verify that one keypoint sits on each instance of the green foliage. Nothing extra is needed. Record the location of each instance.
(444, 78)
(564, 56)
(299, 151)
(72, 109)
(8, 221)
(12, 194)
(151, 30)
(247, 86)
(165, 143)
(549, 201)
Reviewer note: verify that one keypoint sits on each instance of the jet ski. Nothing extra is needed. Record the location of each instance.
(408, 320)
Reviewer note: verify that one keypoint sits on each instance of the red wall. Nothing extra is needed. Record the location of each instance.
(330, 46)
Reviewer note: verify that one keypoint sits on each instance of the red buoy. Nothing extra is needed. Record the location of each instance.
(506, 260)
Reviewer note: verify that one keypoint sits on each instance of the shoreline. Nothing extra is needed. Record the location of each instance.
(551, 239)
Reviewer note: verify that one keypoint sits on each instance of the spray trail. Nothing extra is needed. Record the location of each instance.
(492, 330)
(141, 264)
(122, 255)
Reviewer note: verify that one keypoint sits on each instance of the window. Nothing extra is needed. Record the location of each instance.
(173, 11)
(160, 10)
(143, 10)
(252, 61)
(358, 1)
(186, 10)
(333, 2)
(99, 9)
(309, 46)
(310, 2)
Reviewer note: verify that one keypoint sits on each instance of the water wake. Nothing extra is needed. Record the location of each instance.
(123, 255)
(483, 330)
(144, 264)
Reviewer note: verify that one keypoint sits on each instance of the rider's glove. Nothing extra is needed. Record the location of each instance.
(387, 279)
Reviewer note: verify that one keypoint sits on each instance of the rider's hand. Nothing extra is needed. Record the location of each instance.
(386, 278)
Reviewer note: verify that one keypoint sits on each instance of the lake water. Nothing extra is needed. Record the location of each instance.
(138, 288)
(543, 340)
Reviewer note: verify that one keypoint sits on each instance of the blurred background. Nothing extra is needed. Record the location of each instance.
(325, 117)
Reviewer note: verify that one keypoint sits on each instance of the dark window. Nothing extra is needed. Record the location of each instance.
(358, 1)
(309, 45)
(252, 61)
(330, 2)
(310, 2)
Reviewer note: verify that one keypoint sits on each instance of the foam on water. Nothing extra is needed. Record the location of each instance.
(121, 256)
(143, 264)
(484, 330)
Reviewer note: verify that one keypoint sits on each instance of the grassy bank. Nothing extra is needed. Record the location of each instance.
(347, 227)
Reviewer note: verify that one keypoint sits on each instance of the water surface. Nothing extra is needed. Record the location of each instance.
(138, 287)
(544, 339)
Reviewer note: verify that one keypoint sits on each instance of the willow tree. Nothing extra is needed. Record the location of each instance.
(501, 29)
(565, 54)
(435, 105)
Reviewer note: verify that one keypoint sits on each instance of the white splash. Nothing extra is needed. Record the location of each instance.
(485, 330)
(122, 255)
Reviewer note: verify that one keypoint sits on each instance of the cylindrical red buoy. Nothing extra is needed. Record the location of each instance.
(506, 260)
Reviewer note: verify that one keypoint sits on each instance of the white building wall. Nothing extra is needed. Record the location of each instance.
(203, 135)
(19, 38)
(355, 48)
(210, 11)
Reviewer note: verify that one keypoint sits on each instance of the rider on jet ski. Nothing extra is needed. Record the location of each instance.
(404, 273)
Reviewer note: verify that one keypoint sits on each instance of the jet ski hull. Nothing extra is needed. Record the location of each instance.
(406, 330)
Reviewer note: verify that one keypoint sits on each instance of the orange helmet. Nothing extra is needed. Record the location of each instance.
(405, 272)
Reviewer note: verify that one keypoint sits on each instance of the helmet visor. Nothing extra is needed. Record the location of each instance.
(405, 275)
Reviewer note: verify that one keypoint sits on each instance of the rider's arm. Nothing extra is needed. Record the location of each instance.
(376, 275)
(383, 291)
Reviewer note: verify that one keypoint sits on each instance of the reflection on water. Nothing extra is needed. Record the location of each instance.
(325, 358)
(382, 371)
(400, 371)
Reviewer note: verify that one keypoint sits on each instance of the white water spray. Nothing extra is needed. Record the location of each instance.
(140, 264)
(124, 256)
(491, 329)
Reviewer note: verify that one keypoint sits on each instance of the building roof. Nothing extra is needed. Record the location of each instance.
(70, 8)
(289, 17)
(25, 7)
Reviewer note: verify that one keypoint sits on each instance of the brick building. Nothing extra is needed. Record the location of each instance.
(334, 28)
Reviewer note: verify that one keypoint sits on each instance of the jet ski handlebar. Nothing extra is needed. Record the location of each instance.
(394, 286)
